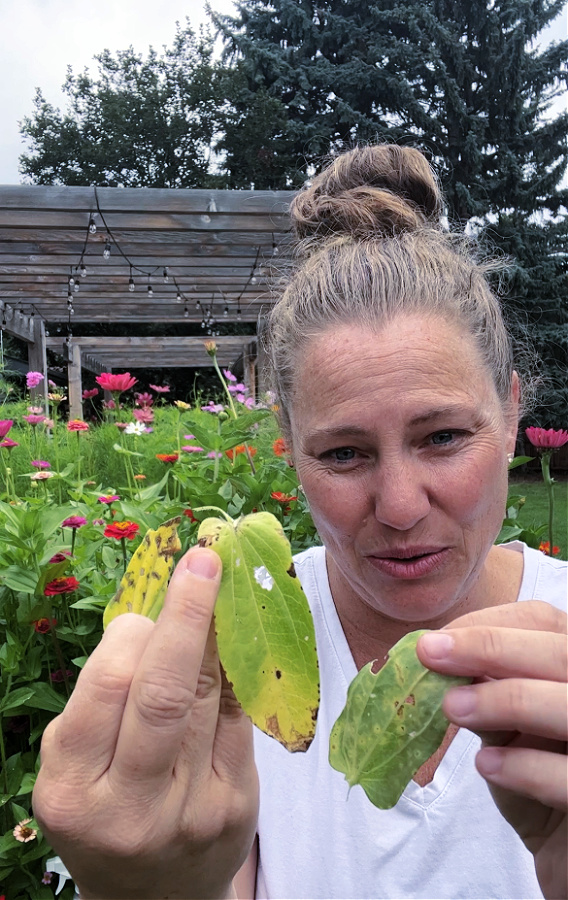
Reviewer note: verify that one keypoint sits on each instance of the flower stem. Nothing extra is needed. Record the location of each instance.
(549, 484)
(123, 544)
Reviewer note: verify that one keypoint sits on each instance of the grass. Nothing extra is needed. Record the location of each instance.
(535, 510)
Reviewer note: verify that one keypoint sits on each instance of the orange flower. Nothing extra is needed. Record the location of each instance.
(279, 447)
(167, 457)
(281, 497)
(240, 449)
(77, 425)
(545, 547)
(140, 478)
(121, 530)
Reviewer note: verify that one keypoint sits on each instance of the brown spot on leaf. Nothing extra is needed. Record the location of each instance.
(142, 572)
(278, 673)
(156, 575)
(291, 571)
(400, 711)
(410, 700)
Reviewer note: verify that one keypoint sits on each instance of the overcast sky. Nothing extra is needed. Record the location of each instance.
(40, 38)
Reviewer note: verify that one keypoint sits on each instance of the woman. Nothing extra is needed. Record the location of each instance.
(400, 404)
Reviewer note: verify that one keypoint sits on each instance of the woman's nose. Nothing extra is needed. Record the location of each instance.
(402, 498)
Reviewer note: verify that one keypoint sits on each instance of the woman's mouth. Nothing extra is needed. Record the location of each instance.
(409, 562)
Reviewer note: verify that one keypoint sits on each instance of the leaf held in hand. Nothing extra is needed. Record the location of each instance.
(391, 724)
(265, 630)
(143, 586)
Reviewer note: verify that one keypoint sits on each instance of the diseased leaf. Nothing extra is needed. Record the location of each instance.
(143, 586)
(391, 724)
(265, 630)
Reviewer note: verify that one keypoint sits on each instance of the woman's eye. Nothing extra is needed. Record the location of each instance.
(443, 437)
(343, 454)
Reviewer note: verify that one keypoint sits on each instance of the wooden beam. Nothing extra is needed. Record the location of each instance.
(37, 361)
(75, 381)
(16, 322)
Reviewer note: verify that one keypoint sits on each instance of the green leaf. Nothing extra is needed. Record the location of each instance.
(28, 782)
(126, 452)
(391, 724)
(520, 461)
(261, 607)
(508, 533)
(20, 579)
(44, 697)
(16, 698)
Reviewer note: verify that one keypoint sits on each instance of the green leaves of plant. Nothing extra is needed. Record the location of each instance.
(265, 630)
(391, 724)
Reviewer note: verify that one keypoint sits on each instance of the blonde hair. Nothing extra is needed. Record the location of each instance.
(371, 247)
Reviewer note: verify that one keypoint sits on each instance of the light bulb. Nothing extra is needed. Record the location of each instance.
(205, 218)
(226, 312)
(71, 281)
(69, 297)
(253, 279)
(166, 276)
(106, 251)
(131, 284)
(275, 250)
(92, 226)
(178, 297)
(238, 315)
(76, 286)
(186, 313)
(82, 270)
(202, 323)
(150, 291)
(212, 206)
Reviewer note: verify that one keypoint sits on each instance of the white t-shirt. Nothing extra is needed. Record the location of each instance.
(444, 840)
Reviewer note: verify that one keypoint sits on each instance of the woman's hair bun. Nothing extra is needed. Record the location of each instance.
(369, 192)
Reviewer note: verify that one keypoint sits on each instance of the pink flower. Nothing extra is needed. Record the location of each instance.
(41, 464)
(49, 423)
(77, 425)
(9, 444)
(109, 404)
(41, 476)
(33, 420)
(58, 676)
(213, 454)
(229, 375)
(249, 402)
(36, 410)
(121, 425)
(89, 394)
(191, 449)
(546, 439)
(46, 878)
(33, 379)
(74, 522)
(22, 832)
(143, 415)
(108, 498)
(237, 388)
(59, 557)
(213, 407)
(144, 399)
(116, 383)
(164, 389)
(5, 425)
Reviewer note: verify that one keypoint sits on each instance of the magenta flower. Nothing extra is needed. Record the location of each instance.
(121, 425)
(33, 379)
(5, 425)
(229, 375)
(41, 464)
(164, 389)
(74, 522)
(190, 449)
(237, 388)
(9, 444)
(144, 415)
(144, 399)
(36, 410)
(213, 407)
(116, 382)
(33, 420)
(108, 498)
(546, 438)
(89, 394)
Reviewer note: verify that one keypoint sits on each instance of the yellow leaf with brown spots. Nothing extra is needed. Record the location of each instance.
(143, 586)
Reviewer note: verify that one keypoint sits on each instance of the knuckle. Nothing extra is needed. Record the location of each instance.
(516, 697)
(163, 696)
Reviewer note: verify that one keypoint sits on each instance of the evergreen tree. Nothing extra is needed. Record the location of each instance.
(142, 122)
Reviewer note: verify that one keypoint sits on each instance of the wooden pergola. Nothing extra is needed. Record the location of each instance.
(76, 255)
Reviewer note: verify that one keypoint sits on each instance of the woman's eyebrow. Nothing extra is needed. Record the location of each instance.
(439, 413)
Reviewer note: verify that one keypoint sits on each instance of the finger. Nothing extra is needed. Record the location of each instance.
(164, 687)
(234, 755)
(513, 704)
(84, 736)
(495, 652)
(533, 615)
(533, 773)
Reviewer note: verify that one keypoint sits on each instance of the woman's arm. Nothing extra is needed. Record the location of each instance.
(244, 882)
(519, 706)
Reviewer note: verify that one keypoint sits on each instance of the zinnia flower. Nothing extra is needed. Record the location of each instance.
(9, 444)
(281, 497)
(116, 383)
(89, 394)
(143, 415)
(121, 530)
(58, 676)
(63, 585)
(22, 832)
(74, 522)
(60, 557)
(140, 477)
(144, 399)
(211, 348)
(56, 397)
(33, 379)
(33, 420)
(42, 626)
(189, 513)
(190, 448)
(5, 425)
(279, 447)
(545, 548)
(240, 449)
(77, 425)
(41, 464)
(181, 404)
(164, 389)
(546, 438)
(36, 410)
(108, 498)
(41, 476)
(167, 457)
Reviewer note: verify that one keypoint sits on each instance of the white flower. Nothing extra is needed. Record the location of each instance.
(135, 428)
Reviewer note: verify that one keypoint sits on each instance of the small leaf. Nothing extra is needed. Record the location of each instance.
(143, 585)
(265, 630)
(391, 724)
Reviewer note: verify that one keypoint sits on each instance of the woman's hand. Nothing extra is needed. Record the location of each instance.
(519, 706)
(148, 787)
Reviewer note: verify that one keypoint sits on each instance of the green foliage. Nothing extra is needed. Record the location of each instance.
(391, 724)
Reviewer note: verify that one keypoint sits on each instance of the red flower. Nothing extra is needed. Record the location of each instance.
(282, 498)
(121, 530)
(167, 457)
(58, 675)
(60, 557)
(63, 585)
(5, 425)
(546, 438)
(74, 522)
(116, 383)
(189, 514)
(88, 395)
(279, 447)
(77, 425)
(240, 449)
(545, 547)
(42, 626)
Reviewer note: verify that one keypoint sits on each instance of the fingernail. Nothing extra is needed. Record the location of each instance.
(437, 644)
(202, 562)
(460, 702)
(489, 761)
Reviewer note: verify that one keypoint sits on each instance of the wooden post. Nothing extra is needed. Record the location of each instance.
(261, 358)
(75, 383)
(37, 361)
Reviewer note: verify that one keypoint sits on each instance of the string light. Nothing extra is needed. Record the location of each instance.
(106, 251)
(185, 311)
(275, 250)
(150, 291)
(82, 270)
(225, 312)
(178, 296)
(131, 281)
(212, 206)
(92, 225)
(166, 277)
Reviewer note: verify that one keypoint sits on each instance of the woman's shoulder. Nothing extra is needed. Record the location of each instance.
(544, 578)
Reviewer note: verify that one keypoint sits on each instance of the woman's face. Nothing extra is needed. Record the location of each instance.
(400, 443)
